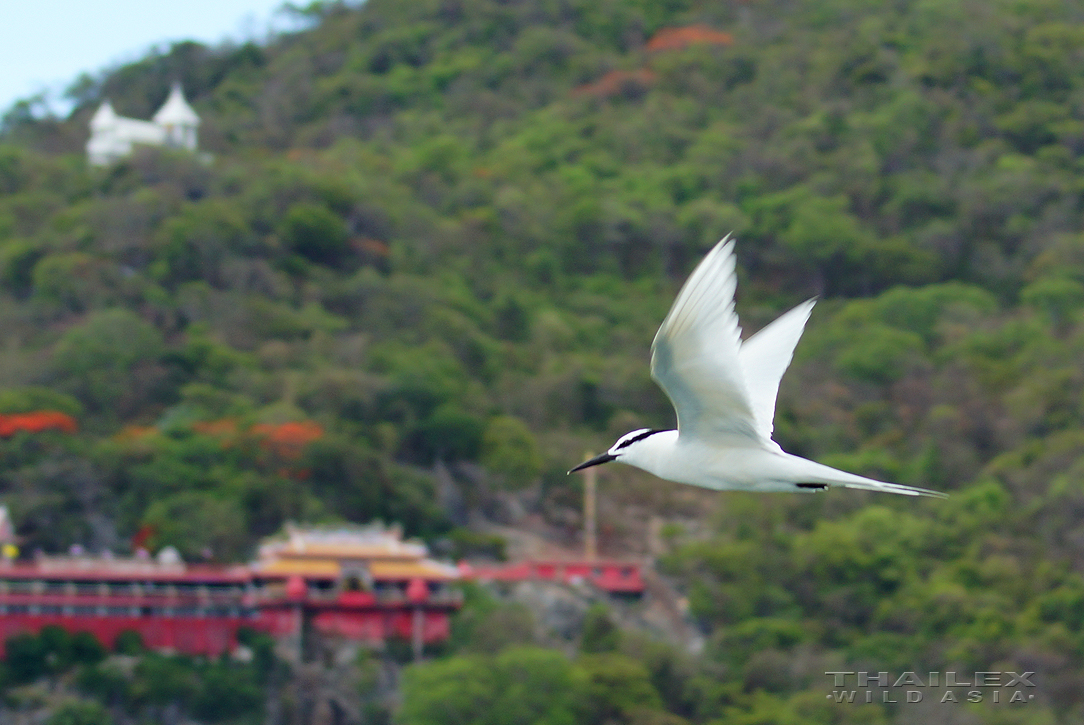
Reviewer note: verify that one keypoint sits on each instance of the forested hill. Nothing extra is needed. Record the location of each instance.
(438, 235)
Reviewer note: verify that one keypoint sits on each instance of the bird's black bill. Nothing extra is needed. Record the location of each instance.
(597, 460)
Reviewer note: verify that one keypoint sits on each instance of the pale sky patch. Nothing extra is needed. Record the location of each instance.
(46, 44)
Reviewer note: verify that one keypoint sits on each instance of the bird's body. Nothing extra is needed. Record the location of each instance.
(740, 468)
(724, 392)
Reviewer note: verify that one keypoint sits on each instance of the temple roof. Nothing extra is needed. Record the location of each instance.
(323, 552)
(176, 109)
(104, 116)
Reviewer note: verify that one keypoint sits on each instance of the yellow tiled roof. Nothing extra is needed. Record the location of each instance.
(302, 567)
(410, 570)
(320, 552)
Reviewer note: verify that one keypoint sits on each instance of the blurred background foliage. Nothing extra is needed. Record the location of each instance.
(444, 232)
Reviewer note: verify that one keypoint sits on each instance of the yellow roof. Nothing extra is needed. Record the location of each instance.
(323, 552)
(305, 568)
(429, 570)
(410, 570)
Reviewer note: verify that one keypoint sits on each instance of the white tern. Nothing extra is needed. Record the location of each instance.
(723, 390)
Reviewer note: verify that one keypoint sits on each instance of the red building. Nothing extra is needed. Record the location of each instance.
(364, 584)
(613, 576)
(196, 610)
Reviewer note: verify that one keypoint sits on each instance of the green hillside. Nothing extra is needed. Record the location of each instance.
(444, 232)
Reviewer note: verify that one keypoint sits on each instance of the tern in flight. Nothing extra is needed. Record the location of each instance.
(723, 390)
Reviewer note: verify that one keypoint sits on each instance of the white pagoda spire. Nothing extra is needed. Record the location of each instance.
(104, 117)
(178, 119)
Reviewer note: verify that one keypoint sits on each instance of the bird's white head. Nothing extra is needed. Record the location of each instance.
(630, 448)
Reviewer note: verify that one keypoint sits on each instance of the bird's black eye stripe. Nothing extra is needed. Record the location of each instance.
(645, 434)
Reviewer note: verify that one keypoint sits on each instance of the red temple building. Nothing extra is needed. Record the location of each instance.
(616, 577)
(357, 583)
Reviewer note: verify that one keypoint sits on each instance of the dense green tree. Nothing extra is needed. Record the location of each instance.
(600, 634)
(509, 449)
(518, 685)
(111, 363)
(24, 658)
(80, 713)
(315, 233)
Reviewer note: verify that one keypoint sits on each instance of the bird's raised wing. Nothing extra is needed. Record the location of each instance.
(764, 358)
(695, 355)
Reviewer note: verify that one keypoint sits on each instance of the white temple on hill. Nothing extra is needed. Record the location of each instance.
(112, 136)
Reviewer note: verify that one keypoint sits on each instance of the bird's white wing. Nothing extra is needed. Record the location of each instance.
(695, 355)
(764, 358)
